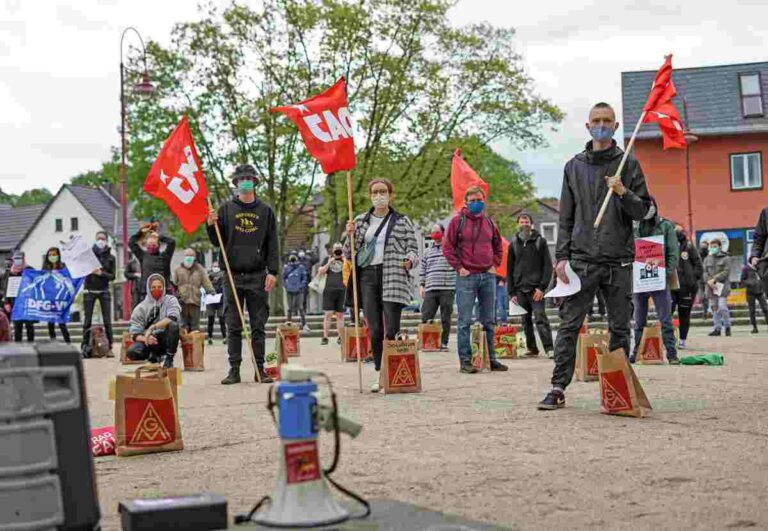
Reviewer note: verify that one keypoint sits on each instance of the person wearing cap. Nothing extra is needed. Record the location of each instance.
(248, 230)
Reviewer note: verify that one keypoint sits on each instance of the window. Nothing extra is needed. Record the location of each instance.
(73, 224)
(746, 171)
(549, 232)
(59, 225)
(751, 95)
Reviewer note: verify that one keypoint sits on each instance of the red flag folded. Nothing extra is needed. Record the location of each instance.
(659, 108)
(462, 177)
(177, 178)
(325, 125)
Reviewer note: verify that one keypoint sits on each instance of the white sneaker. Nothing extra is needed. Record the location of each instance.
(682, 344)
(375, 387)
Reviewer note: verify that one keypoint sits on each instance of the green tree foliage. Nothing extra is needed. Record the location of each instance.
(35, 196)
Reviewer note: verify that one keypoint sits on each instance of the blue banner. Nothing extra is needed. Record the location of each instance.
(45, 296)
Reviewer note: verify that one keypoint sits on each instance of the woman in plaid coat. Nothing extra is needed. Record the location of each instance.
(387, 253)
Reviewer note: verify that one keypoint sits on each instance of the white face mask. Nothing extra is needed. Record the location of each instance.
(215, 269)
(101, 244)
(380, 201)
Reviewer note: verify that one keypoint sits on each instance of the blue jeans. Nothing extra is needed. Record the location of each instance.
(502, 304)
(720, 312)
(480, 287)
(662, 301)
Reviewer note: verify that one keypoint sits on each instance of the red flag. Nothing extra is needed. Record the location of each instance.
(325, 125)
(501, 271)
(462, 177)
(659, 108)
(177, 178)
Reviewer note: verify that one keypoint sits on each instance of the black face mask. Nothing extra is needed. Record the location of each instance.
(681, 236)
(337, 254)
(292, 259)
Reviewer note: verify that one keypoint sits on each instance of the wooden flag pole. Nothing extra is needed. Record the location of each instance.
(354, 285)
(618, 172)
(246, 330)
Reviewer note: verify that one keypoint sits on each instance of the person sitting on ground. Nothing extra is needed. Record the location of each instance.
(335, 290)
(295, 279)
(716, 273)
(153, 260)
(188, 278)
(154, 325)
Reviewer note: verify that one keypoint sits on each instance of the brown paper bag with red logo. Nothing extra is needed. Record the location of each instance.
(193, 350)
(124, 346)
(400, 372)
(146, 412)
(429, 336)
(650, 350)
(481, 358)
(505, 341)
(589, 346)
(289, 340)
(349, 344)
(620, 390)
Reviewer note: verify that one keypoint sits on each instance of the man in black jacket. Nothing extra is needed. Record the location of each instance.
(759, 257)
(249, 233)
(602, 257)
(529, 270)
(152, 258)
(96, 288)
(689, 273)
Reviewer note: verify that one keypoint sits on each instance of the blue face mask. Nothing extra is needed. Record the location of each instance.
(602, 133)
(476, 207)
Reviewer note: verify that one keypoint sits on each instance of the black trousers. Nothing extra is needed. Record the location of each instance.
(18, 329)
(89, 301)
(62, 327)
(212, 310)
(753, 298)
(537, 312)
(682, 300)
(600, 305)
(167, 344)
(381, 315)
(615, 282)
(442, 299)
(253, 296)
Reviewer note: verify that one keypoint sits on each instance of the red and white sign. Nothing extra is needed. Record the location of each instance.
(649, 271)
(301, 462)
(149, 422)
(325, 124)
(177, 179)
(103, 441)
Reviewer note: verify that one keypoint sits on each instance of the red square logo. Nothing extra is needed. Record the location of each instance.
(149, 422)
(401, 369)
(614, 392)
(301, 462)
(592, 361)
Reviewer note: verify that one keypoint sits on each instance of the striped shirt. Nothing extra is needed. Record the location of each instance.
(436, 272)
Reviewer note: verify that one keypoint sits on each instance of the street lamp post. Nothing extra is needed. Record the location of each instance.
(143, 88)
(690, 138)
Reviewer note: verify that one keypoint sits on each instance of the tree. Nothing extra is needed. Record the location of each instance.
(109, 173)
(35, 196)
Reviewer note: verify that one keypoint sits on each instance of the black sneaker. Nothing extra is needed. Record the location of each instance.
(714, 333)
(210, 341)
(324, 341)
(265, 378)
(674, 361)
(496, 366)
(168, 362)
(728, 332)
(233, 377)
(468, 368)
(555, 399)
(755, 330)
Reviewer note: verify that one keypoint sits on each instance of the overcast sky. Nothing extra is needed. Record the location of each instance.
(59, 68)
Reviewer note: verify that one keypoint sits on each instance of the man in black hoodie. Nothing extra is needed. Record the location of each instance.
(602, 256)
(529, 271)
(249, 233)
(152, 258)
(96, 288)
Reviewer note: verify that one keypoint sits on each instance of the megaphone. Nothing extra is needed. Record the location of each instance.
(302, 497)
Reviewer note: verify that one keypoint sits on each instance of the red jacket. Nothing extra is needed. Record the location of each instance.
(478, 248)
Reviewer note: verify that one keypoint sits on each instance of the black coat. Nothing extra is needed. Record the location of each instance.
(759, 247)
(689, 268)
(584, 189)
(101, 282)
(151, 264)
(529, 264)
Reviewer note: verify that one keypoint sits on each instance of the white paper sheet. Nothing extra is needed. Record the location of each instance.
(79, 257)
(12, 289)
(566, 290)
(718, 289)
(516, 309)
(213, 299)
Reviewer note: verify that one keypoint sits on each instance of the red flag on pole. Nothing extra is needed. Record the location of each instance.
(660, 109)
(325, 125)
(177, 179)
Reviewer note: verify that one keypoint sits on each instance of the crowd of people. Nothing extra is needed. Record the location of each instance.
(458, 269)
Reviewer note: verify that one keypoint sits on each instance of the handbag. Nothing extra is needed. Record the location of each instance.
(367, 251)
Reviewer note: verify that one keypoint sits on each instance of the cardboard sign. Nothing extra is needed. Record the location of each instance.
(649, 271)
(588, 347)
(430, 335)
(400, 372)
(505, 341)
(650, 349)
(288, 340)
(125, 344)
(103, 441)
(193, 349)
(349, 344)
(481, 358)
(620, 390)
(302, 462)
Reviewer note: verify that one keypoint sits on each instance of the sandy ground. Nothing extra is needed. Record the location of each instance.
(474, 445)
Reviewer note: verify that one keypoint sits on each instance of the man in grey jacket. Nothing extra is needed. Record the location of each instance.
(602, 256)
(155, 325)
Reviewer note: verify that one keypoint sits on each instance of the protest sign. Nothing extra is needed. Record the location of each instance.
(45, 296)
(649, 269)
(79, 257)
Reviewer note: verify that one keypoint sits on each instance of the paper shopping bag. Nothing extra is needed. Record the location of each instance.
(349, 345)
(146, 412)
(505, 341)
(430, 335)
(400, 372)
(124, 346)
(620, 390)
(650, 352)
(272, 362)
(289, 335)
(481, 358)
(193, 349)
(589, 346)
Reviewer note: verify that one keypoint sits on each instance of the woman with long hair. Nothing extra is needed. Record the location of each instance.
(52, 261)
(18, 265)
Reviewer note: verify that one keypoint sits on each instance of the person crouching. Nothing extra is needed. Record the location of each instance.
(155, 325)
